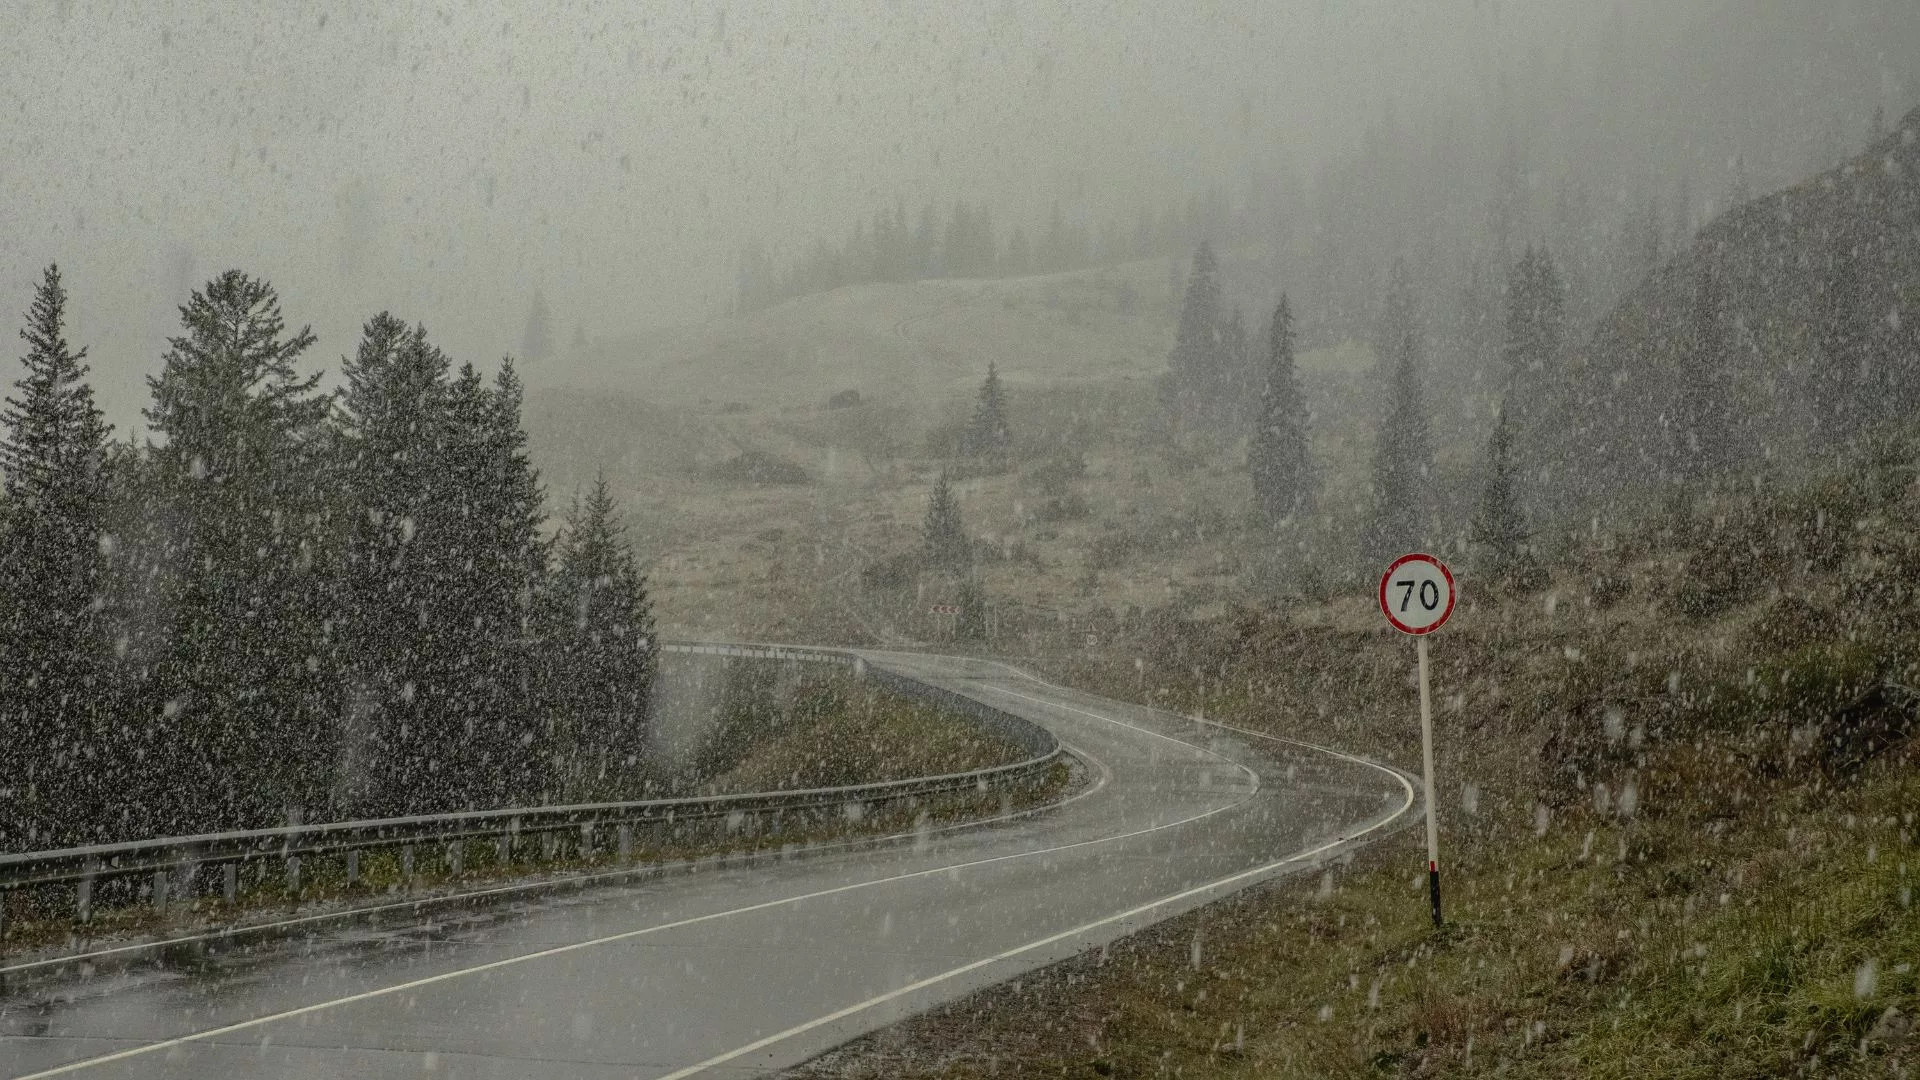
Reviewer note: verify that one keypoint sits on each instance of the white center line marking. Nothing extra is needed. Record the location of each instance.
(1064, 935)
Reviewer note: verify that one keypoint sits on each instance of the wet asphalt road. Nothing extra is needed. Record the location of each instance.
(742, 970)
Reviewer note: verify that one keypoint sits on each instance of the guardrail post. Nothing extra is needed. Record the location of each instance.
(160, 891)
(230, 881)
(456, 857)
(353, 867)
(83, 892)
(626, 843)
(586, 840)
(506, 840)
(548, 842)
(293, 876)
(406, 868)
(184, 875)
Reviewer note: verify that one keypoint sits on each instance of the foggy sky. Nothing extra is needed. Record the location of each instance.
(444, 161)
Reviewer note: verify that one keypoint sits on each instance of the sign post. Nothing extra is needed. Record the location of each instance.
(1416, 596)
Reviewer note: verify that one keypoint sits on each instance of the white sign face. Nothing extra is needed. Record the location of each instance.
(1417, 594)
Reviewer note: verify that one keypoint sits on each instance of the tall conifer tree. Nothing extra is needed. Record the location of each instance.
(496, 518)
(599, 655)
(987, 432)
(944, 535)
(1401, 514)
(1701, 444)
(400, 562)
(247, 705)
(1277, 457)
(1500, 525)
(53, 700)
(1193, 367)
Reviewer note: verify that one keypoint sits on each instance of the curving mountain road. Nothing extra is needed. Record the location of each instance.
(742, 970)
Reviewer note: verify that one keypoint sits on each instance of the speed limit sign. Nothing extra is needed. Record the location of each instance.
(1416, 594)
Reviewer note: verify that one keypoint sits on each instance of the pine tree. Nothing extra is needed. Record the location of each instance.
(1056, 254)
(1396, 317)
(398, 562)
(1535, 328)
(944, 536)
(971, 623)
(1843, 376)
(1235, 382)
(1500, 526)
(54, 703)
(1277, 457)
(1194, 364)
(1701, 442)
(1019, 253)
(536, 341)
(495, 504)
(926, 246)
(1403, 457)
(599, 654)
(246, 702)
(1740, 191)
(987, 432)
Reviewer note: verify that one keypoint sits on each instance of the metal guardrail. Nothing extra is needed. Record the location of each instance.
(177, 863)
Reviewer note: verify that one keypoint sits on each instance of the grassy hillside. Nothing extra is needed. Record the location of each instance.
(1678, 828)
(1820, 287)
(1136, 520)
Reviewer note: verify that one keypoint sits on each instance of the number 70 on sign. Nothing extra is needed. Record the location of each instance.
(1416, 594)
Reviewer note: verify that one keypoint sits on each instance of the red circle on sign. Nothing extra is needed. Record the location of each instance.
(1423, 573)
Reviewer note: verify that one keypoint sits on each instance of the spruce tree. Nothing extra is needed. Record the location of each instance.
(987, 431)
(1019, 258)
(1396, 316)
(247, 707)
(1277, 456)
(1535, 330)
(54, 705)
(1234, 382)
(944, 536)
(599, 656)
(1843, 378)
(496, 515)
(971, 623)
(400, 553)
(1701, 440)
(1403, 456)
(1193, 366)
(536, 340)
(1500, 525)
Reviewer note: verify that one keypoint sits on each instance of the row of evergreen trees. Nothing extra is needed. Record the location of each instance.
(1401, 511)
(292, 604)
(965, 243)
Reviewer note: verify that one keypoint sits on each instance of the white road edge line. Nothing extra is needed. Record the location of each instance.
(1064, 935)
(1254, 777)
(1404, 778)
(445, 976)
